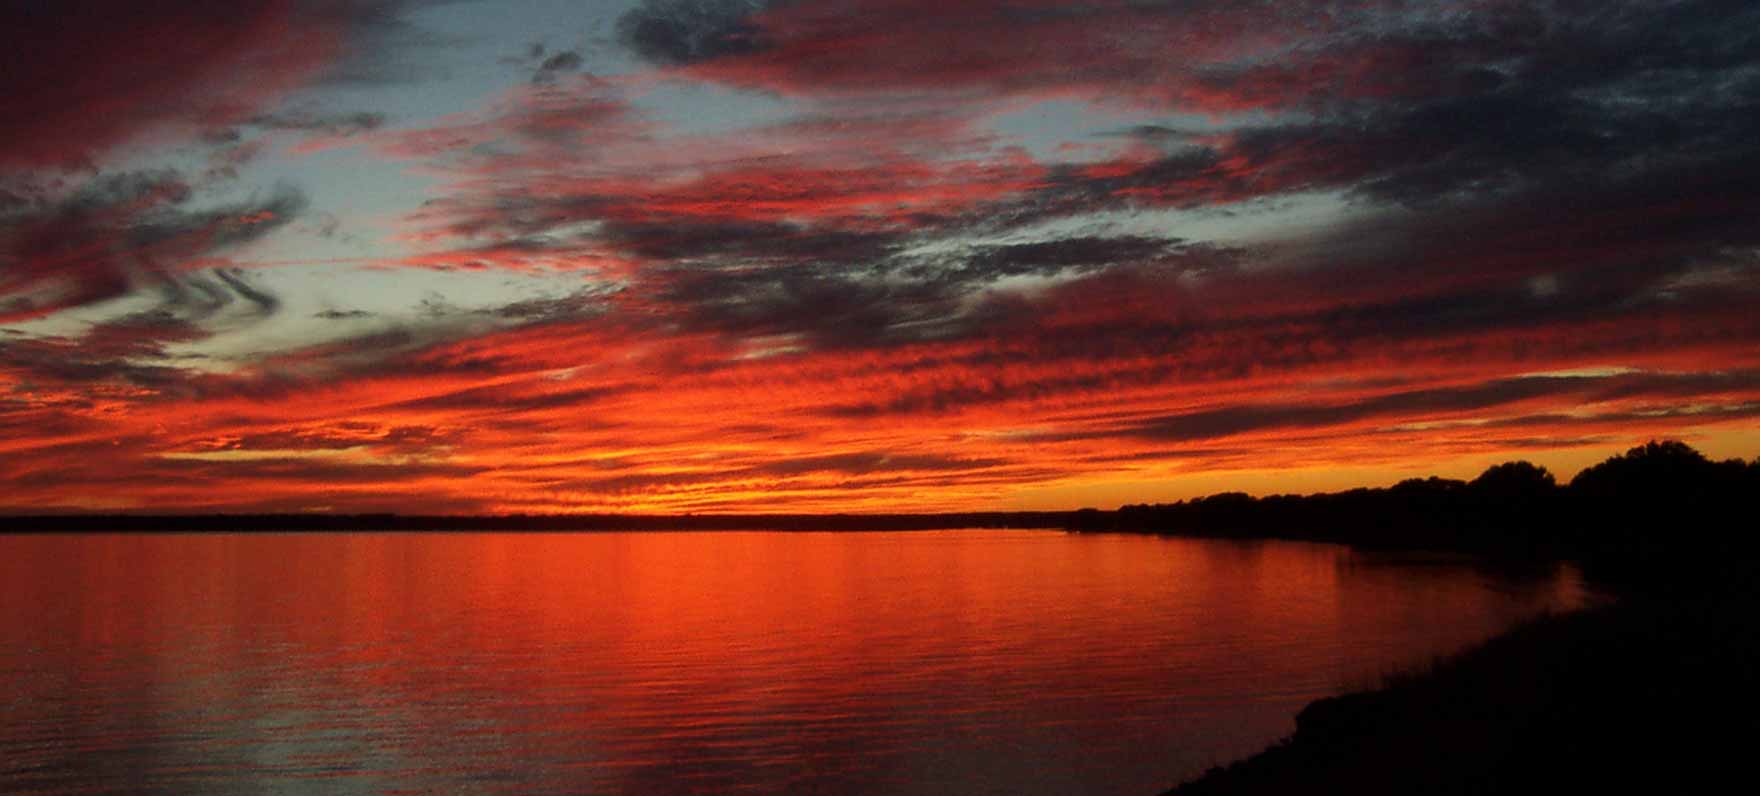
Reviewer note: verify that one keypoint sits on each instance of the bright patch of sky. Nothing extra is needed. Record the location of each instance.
(358, 200)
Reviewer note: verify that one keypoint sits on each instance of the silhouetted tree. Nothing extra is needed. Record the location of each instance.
(1515, 506)
(1515, 481)
(1669, 469)
(1664, 515)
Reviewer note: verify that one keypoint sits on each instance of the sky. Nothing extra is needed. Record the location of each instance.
(862, 255)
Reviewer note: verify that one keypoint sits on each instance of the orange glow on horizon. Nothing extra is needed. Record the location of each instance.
(664, 424)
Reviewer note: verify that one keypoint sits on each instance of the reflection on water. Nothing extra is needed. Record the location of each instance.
(948, 662)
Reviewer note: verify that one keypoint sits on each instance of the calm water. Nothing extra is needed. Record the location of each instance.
(968, 662)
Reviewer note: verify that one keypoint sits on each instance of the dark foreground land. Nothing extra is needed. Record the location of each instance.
(1648, 696)
(1656, 692)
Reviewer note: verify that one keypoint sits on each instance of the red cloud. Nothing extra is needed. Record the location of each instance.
(85, 76)
(1105, 50)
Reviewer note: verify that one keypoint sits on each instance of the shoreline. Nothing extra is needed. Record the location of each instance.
(1639, 693)
(443, 523)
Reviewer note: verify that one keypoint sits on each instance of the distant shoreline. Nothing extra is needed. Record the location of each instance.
(1514, 510)
(341, 523)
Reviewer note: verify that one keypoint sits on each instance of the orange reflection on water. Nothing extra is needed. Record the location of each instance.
(969, 661)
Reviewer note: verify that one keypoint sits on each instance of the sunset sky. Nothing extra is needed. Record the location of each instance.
(862, 255)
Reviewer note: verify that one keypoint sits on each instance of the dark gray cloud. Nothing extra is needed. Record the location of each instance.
(1550, 94)
(559, 309)
(341, 315)
(555, 65)
(331, 124)
(135, 348)
(1051, 256)
(830, 309)
(264, 302)
(117, 232)
(688, 31)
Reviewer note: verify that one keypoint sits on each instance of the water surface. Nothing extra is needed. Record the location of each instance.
(975, 662)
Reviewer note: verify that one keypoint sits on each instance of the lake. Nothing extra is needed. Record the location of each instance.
(972, 662)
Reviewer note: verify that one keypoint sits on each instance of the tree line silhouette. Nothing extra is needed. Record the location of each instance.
(1654, 513)
(1657, 506)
